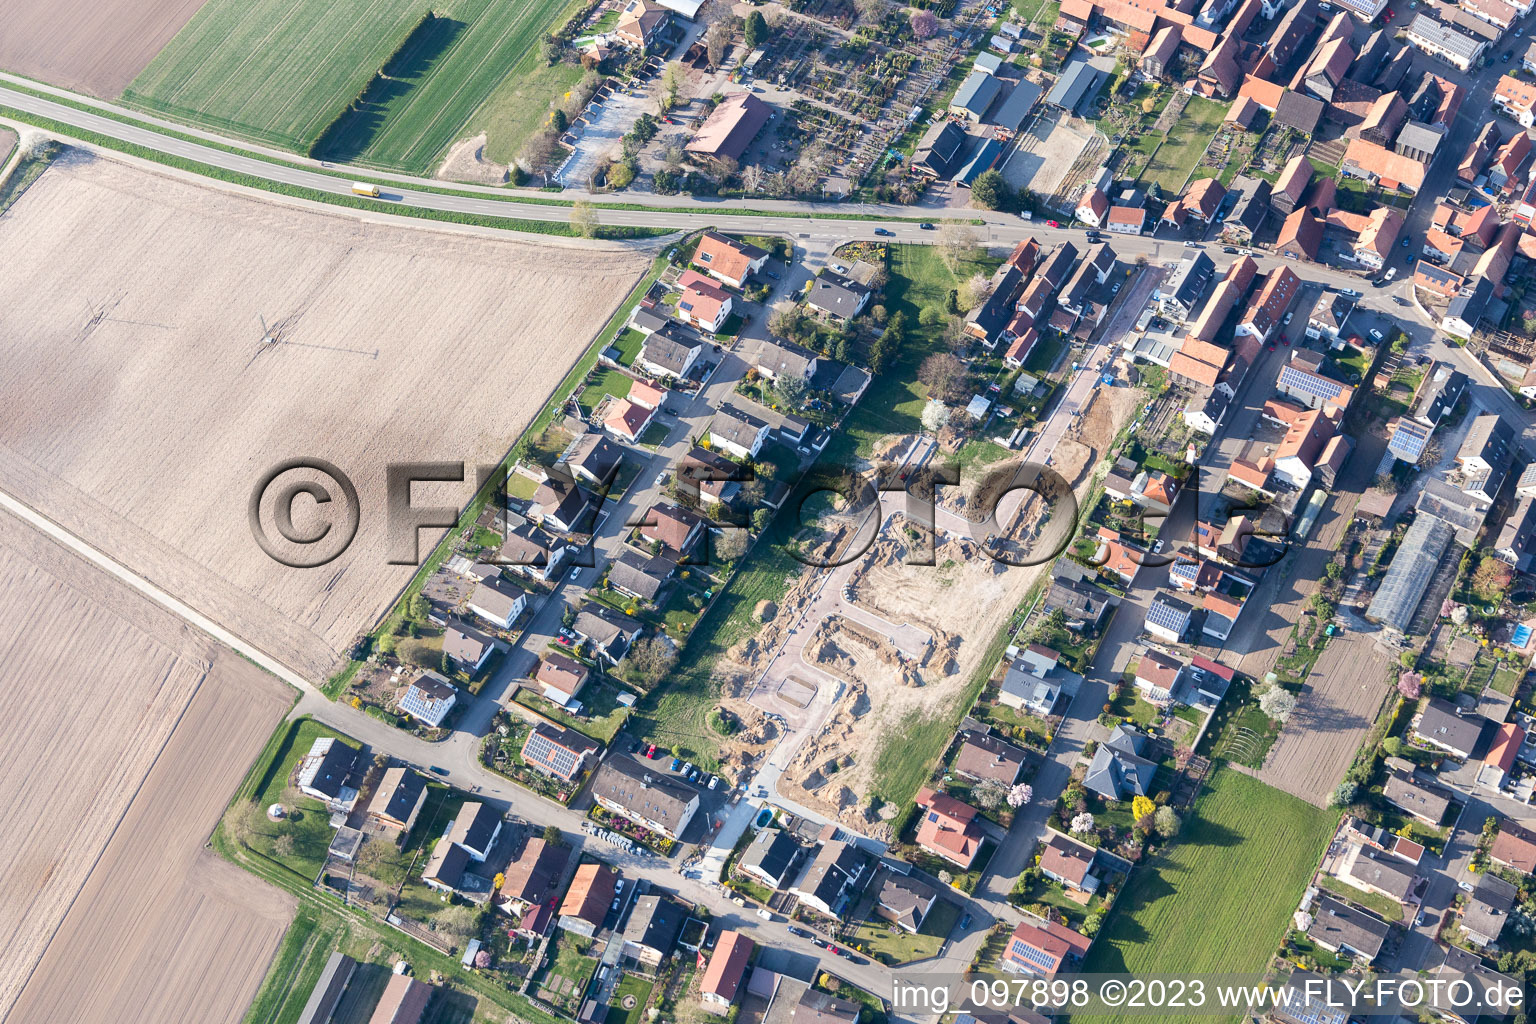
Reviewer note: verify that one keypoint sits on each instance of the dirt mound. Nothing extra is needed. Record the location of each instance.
(765, 611)
(466, 162)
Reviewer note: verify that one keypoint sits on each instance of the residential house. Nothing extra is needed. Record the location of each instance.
(586, 901)
(779, 360)
(475, 828)
(1514, 847)
(905, 901)
(1249, 212)
(1033, 682)
(737, 433)
(726, 970)
(609, 632)
(819, 1008)
(1270, 304)
(397, 799)
(728, 259)
(1168, 617)
(839, 872)
(562, 504)
(325, 771)
(533, 875)
(558, 752)
(1376, 871)
(1093, 207)
(669, 353)
(649, 798)
(654, 924)
(1291, 185)
(1084, 604)
(703, 303)
(1328, 316)
(1126, 220)
(1501, 755)
(446, 867)
(1156, 675)
(1513, 544)
(1442, 725)
(1467, 308)
(1159, 53)
(1118, 770)
(674, 528)
(730, 127)
(948, 828)
(1301, 236)
(593, 458)
(627, 419)
(1328, 68)
(428, 699)
(1443, 42)
(1487, 910)
(984, 757)
(836, 296)
(939, 149)
(770, 857)
(641, 24)
(640, 576)
(498, 601)
(1182, 291)
(561, 678)
(1042, 951)
(1381, 166)
(1069, 862)
(1346, 930)
(529, 552)
(1312, 389)
(1114, 555)
(1204, 682)
(1485, 456)
(1427, 803)
(467, 647)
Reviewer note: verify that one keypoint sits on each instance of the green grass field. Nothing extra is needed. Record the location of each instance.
(1176, 158)
(282, 71)
(1220, 900)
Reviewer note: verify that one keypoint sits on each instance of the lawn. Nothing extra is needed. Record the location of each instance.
(1220, 899)
(632, 985)
(888, 944)
(519, 104)
(919, 279)
(307, 824)
(407, 120)
(291, 73)
(629, 343)
(606, 382)
(602, 714)
(1176, 158)
(1387, 908)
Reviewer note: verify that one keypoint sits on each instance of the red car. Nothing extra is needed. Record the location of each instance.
(1052, 224)
(650, 752)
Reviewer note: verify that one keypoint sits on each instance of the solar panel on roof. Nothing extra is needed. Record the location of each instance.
(1309, 383)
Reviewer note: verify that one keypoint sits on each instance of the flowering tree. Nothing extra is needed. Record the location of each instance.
(1020, 795)
(483, 959)
(924, 24)
(1277, 703)
(1082, 824)
(1410, 685)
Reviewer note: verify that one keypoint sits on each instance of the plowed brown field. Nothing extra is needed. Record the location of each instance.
(95, 46)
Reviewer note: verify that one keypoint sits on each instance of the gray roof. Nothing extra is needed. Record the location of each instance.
(836, 294)
(939, 149)
(1487, 910)
(328, 989)
(1017, 106)
(1488, 438)
(594, 453)
(655, 922)
(1515, 535)
(669, 348)
(1190, 281)
(907, 899)
(1441, 725)
(497, 595)
(771, 853)
(1408, 577)
(784, 358)
(1445, 36)
(976, 93)
(1430, 802)
(603, 625)
(1469, 303)
(1418, 137)
(838, 867)
(465, 643)
(639, 574)
(1118, 771)
(1339, 925)
(736, 426)
(1252, 204)
(1442, 387)
(474, 825)
(651, 795)
(1384, 871)
(1078, 599)
(1076, 84)
(1464, 512)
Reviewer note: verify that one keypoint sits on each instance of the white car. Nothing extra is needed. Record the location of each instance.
(713, 781)
(1375, 334)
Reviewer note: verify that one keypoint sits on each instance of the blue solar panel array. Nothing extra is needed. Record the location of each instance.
(1309, 383)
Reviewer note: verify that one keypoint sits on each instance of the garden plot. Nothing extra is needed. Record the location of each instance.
(146, 405)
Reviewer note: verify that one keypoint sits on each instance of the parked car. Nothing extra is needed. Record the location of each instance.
(618, 886)
(1375, 334)
(1288, 317)
(616, 903)
(798, 931)
(1052, 224)
(1229, 250)
(713, 781)
(965, 922)
(773, 274)
(438, 769)
(675, 765)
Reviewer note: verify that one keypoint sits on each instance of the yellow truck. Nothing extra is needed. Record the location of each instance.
(362, 188)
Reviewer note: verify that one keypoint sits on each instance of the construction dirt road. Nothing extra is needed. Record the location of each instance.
(110, 909)
(165, 345)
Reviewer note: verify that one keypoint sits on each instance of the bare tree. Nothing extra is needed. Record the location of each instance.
(943, 374)
(870, 11)
(538, 150)
(731, 544)
(716, 39)
(651, 658)
(957, 242)
(584, 219)
(751, 178)
(955, 338)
